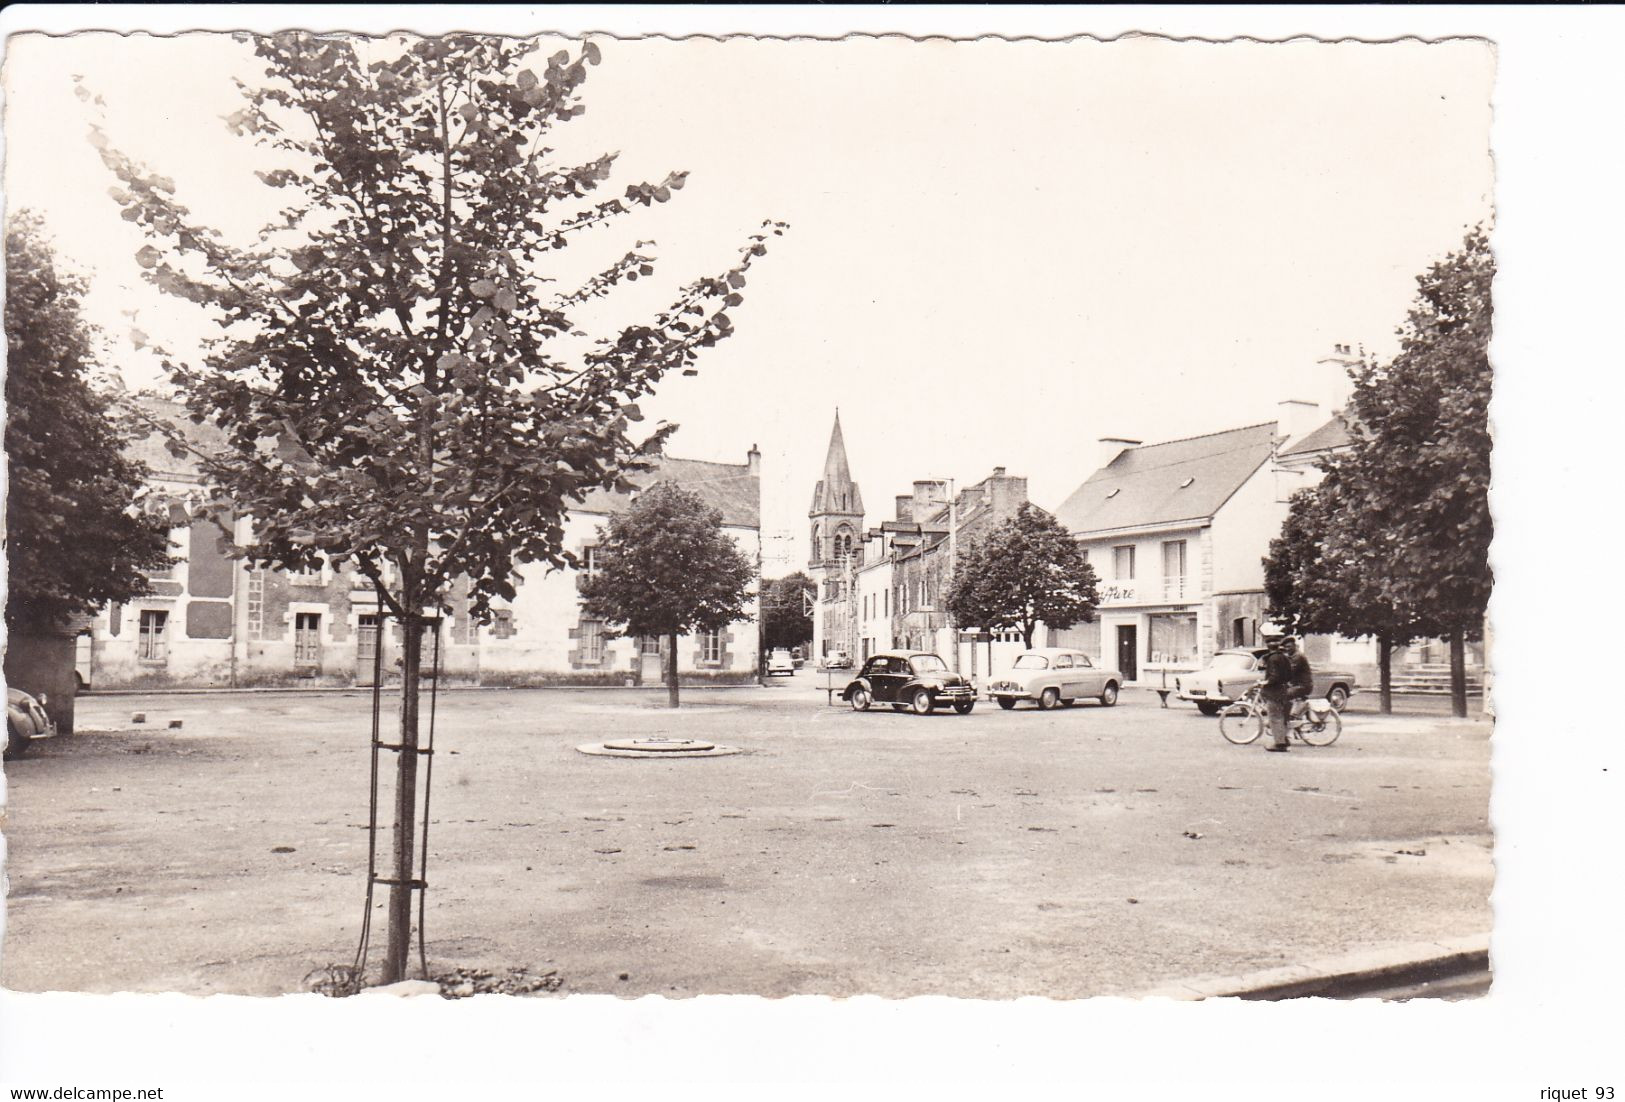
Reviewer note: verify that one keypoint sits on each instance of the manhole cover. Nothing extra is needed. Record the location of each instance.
(658, 747)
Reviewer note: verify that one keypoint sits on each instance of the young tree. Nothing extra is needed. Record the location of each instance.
(666, 568)
(400, 381)
(1419, 463)
(786, 622)
(1026, 571)
(73, 540)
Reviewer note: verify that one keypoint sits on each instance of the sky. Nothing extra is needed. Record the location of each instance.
(999, 251)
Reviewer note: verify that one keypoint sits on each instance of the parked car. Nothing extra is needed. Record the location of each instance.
(837, 660)
(914, 680)
(25, 721)
(1051, 675)
(1232, 671)
(779, 661)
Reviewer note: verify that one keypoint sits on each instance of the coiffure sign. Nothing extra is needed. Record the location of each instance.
(1117, 593)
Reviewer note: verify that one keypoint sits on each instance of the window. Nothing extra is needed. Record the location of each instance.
(501, 623)
(153, 643)
(1240, 632)
(592, 640)
(305, 575)
(307, 639)
(1173, 569)
(649, 644)
(1123, 563)
(1173, 638)
(256, 604)
(1084, 663)
(711, 646)
(366, 641)
(589, 561)
(885, 601)
(1063, 662)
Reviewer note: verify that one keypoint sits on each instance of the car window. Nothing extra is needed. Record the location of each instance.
(875, 665)
(1232, 663)
(927, 663)
(1062, 662)
(1083, 662)
(1031, 662)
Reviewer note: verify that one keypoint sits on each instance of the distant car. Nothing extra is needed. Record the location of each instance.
(25, 721)
(837, 660)
(917, 681)
(780, 662)
(1051, 675)
(1232, 671)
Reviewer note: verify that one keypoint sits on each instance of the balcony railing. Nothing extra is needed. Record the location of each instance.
(1177, 588)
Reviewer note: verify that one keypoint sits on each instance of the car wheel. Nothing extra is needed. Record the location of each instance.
(1108, 695)
(16, 741)
(963, 707)
(1007, 702)
(860, 700)
(1207, 707)
(1338, 698)
(1049, 698)
(921, 702)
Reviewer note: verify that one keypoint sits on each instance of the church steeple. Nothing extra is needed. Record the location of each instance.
(836, 493)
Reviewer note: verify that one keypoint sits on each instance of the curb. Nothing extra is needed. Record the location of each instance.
(1414, 962)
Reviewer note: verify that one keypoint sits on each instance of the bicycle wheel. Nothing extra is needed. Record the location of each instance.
(1240, 724)
(1320, 729)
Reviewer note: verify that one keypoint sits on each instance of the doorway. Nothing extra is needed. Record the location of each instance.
(1128, 647)
(366, 646)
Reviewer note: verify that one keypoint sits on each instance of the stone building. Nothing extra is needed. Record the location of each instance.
(211, 621)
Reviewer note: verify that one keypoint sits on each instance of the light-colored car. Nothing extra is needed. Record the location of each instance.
(1232, 672)
(25, 721)
(779, 661)
(1052, 675)
(837, 660)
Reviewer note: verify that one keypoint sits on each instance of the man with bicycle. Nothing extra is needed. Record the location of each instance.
(1287, 678)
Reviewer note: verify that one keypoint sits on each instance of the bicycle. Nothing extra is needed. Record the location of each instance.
(1242, 722)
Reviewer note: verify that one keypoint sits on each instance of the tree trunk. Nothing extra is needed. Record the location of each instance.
(1458, 675)
(1385, 675)
(1027, 633)
(406, 787)
(671, 670)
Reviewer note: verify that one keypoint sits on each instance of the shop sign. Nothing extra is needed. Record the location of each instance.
(1117, 593)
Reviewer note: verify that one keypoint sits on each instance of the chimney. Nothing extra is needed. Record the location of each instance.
(1297, 418)
(926, 494)
(905, 507)
(753, 460)
(1113, 446)
(998, 472)
(1332, 373)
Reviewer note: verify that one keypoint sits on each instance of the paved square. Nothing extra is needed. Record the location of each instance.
(1084, 851)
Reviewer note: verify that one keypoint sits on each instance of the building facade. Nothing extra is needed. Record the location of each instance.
(213, 622)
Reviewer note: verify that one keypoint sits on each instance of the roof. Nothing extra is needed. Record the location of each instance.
(729, 488)
(1333, 434)
(836, 492)
(1187, 479)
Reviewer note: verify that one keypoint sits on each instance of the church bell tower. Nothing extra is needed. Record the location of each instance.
(837, 543)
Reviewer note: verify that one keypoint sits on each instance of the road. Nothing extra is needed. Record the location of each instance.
(1078, 852)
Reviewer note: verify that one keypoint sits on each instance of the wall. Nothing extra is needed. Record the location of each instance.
(43, 664)
(1242, 530)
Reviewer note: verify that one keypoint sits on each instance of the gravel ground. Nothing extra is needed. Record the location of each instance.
(1079, 852)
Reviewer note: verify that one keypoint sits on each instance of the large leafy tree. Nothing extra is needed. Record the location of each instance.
(398, 373)
(1026, 571)
(73, 540)
(666, 568)
(1395, 541)
(1417, 472)
(786, 619)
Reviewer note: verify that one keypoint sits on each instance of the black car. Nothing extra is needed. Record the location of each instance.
(25, 721)
(916, 680)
